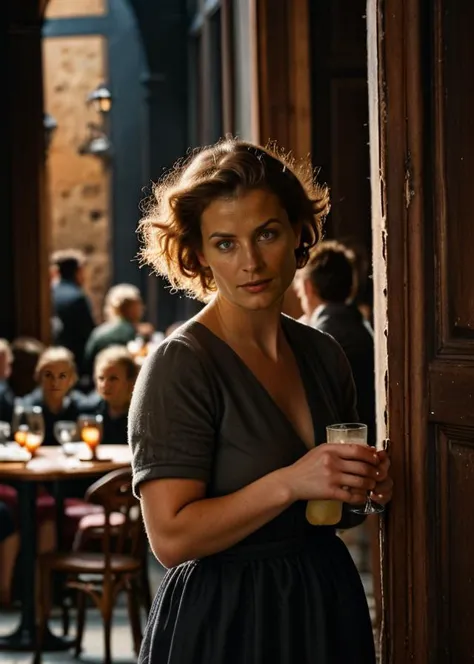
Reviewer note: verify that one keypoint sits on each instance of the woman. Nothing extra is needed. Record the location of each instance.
(115, 372)
(226, 423)
(56, 375)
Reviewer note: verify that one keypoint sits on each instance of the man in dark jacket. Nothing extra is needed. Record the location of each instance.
(325, 287)
(73, 320)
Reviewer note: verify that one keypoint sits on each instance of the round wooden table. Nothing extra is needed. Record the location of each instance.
(49, 465)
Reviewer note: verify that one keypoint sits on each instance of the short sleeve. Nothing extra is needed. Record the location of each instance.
(172, 417)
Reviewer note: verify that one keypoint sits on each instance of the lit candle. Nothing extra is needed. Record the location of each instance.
(20, 437)
(33, 441)
(91, 436)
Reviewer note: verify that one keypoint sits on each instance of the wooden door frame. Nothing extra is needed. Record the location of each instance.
(399, 224)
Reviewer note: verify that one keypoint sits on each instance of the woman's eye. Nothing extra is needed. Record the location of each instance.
(224, 245)
(267, 234)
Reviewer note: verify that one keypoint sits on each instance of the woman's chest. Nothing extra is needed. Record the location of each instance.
(259, 428)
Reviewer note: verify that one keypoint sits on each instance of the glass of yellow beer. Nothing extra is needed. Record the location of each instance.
(329, 512)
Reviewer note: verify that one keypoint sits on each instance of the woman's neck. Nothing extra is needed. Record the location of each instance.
(53, 402)
(247, 330)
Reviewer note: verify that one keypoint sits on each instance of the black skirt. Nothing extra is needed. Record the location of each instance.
(299, 601)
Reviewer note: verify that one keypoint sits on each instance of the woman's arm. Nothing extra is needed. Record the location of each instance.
(187, 525)
(184, 525)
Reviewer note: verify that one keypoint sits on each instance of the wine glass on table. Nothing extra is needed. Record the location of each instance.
(91, 430)
(35, 434)
(65, 433)
(355, 434)
(4, 432)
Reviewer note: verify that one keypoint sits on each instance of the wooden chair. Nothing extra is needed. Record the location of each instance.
(101, 576)
(90, 531)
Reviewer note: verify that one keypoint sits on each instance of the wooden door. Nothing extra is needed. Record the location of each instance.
(421, 84)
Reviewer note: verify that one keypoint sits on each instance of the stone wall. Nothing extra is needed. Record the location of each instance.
(72, 8)
(79, 184)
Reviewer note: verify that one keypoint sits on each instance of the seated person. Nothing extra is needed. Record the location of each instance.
(55, 375)
(6, 393)
(123, 312)
(26, 353)
(115, 372)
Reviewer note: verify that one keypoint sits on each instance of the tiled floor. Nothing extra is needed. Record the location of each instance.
(122, 650)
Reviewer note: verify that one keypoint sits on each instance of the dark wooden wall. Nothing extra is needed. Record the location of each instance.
(25, 230)
(340, 128)
(284, 74)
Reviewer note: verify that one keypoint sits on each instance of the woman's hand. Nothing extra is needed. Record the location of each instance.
(382, 493)
(344, 472)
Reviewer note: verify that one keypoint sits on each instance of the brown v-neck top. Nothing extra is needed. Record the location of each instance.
(199, 412)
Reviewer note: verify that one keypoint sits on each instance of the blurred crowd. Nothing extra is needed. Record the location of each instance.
(89, 368)
(89, 371)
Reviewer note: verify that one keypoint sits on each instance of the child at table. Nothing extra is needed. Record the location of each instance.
(115, 372)
(55, 375)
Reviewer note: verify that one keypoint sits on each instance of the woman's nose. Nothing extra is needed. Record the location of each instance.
(252, 259)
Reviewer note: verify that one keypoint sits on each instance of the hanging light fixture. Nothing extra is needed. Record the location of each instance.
(100, 99)
(97, 143)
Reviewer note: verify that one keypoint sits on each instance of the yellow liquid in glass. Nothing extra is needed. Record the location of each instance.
(323, 512)
(91, 436)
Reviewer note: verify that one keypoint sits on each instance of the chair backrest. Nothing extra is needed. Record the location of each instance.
(114, 493)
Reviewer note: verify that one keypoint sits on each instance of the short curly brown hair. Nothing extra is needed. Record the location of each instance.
(171, 227)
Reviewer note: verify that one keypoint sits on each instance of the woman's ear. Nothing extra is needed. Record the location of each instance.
(298, 229)
(201, 259)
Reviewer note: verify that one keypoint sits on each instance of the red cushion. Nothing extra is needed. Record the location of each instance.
(74, 510)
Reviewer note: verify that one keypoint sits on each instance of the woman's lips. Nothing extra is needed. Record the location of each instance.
(256, 286)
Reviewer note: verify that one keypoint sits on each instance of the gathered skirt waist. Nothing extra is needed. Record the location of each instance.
(319, 537)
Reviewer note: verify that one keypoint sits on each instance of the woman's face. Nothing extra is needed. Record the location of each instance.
(56, 379)
(113, 384)
(249, 244)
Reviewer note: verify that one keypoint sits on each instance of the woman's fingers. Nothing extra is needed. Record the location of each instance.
(352, 452)
(382, 492)
(361, 468)
(352, 497)
(356, 482)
